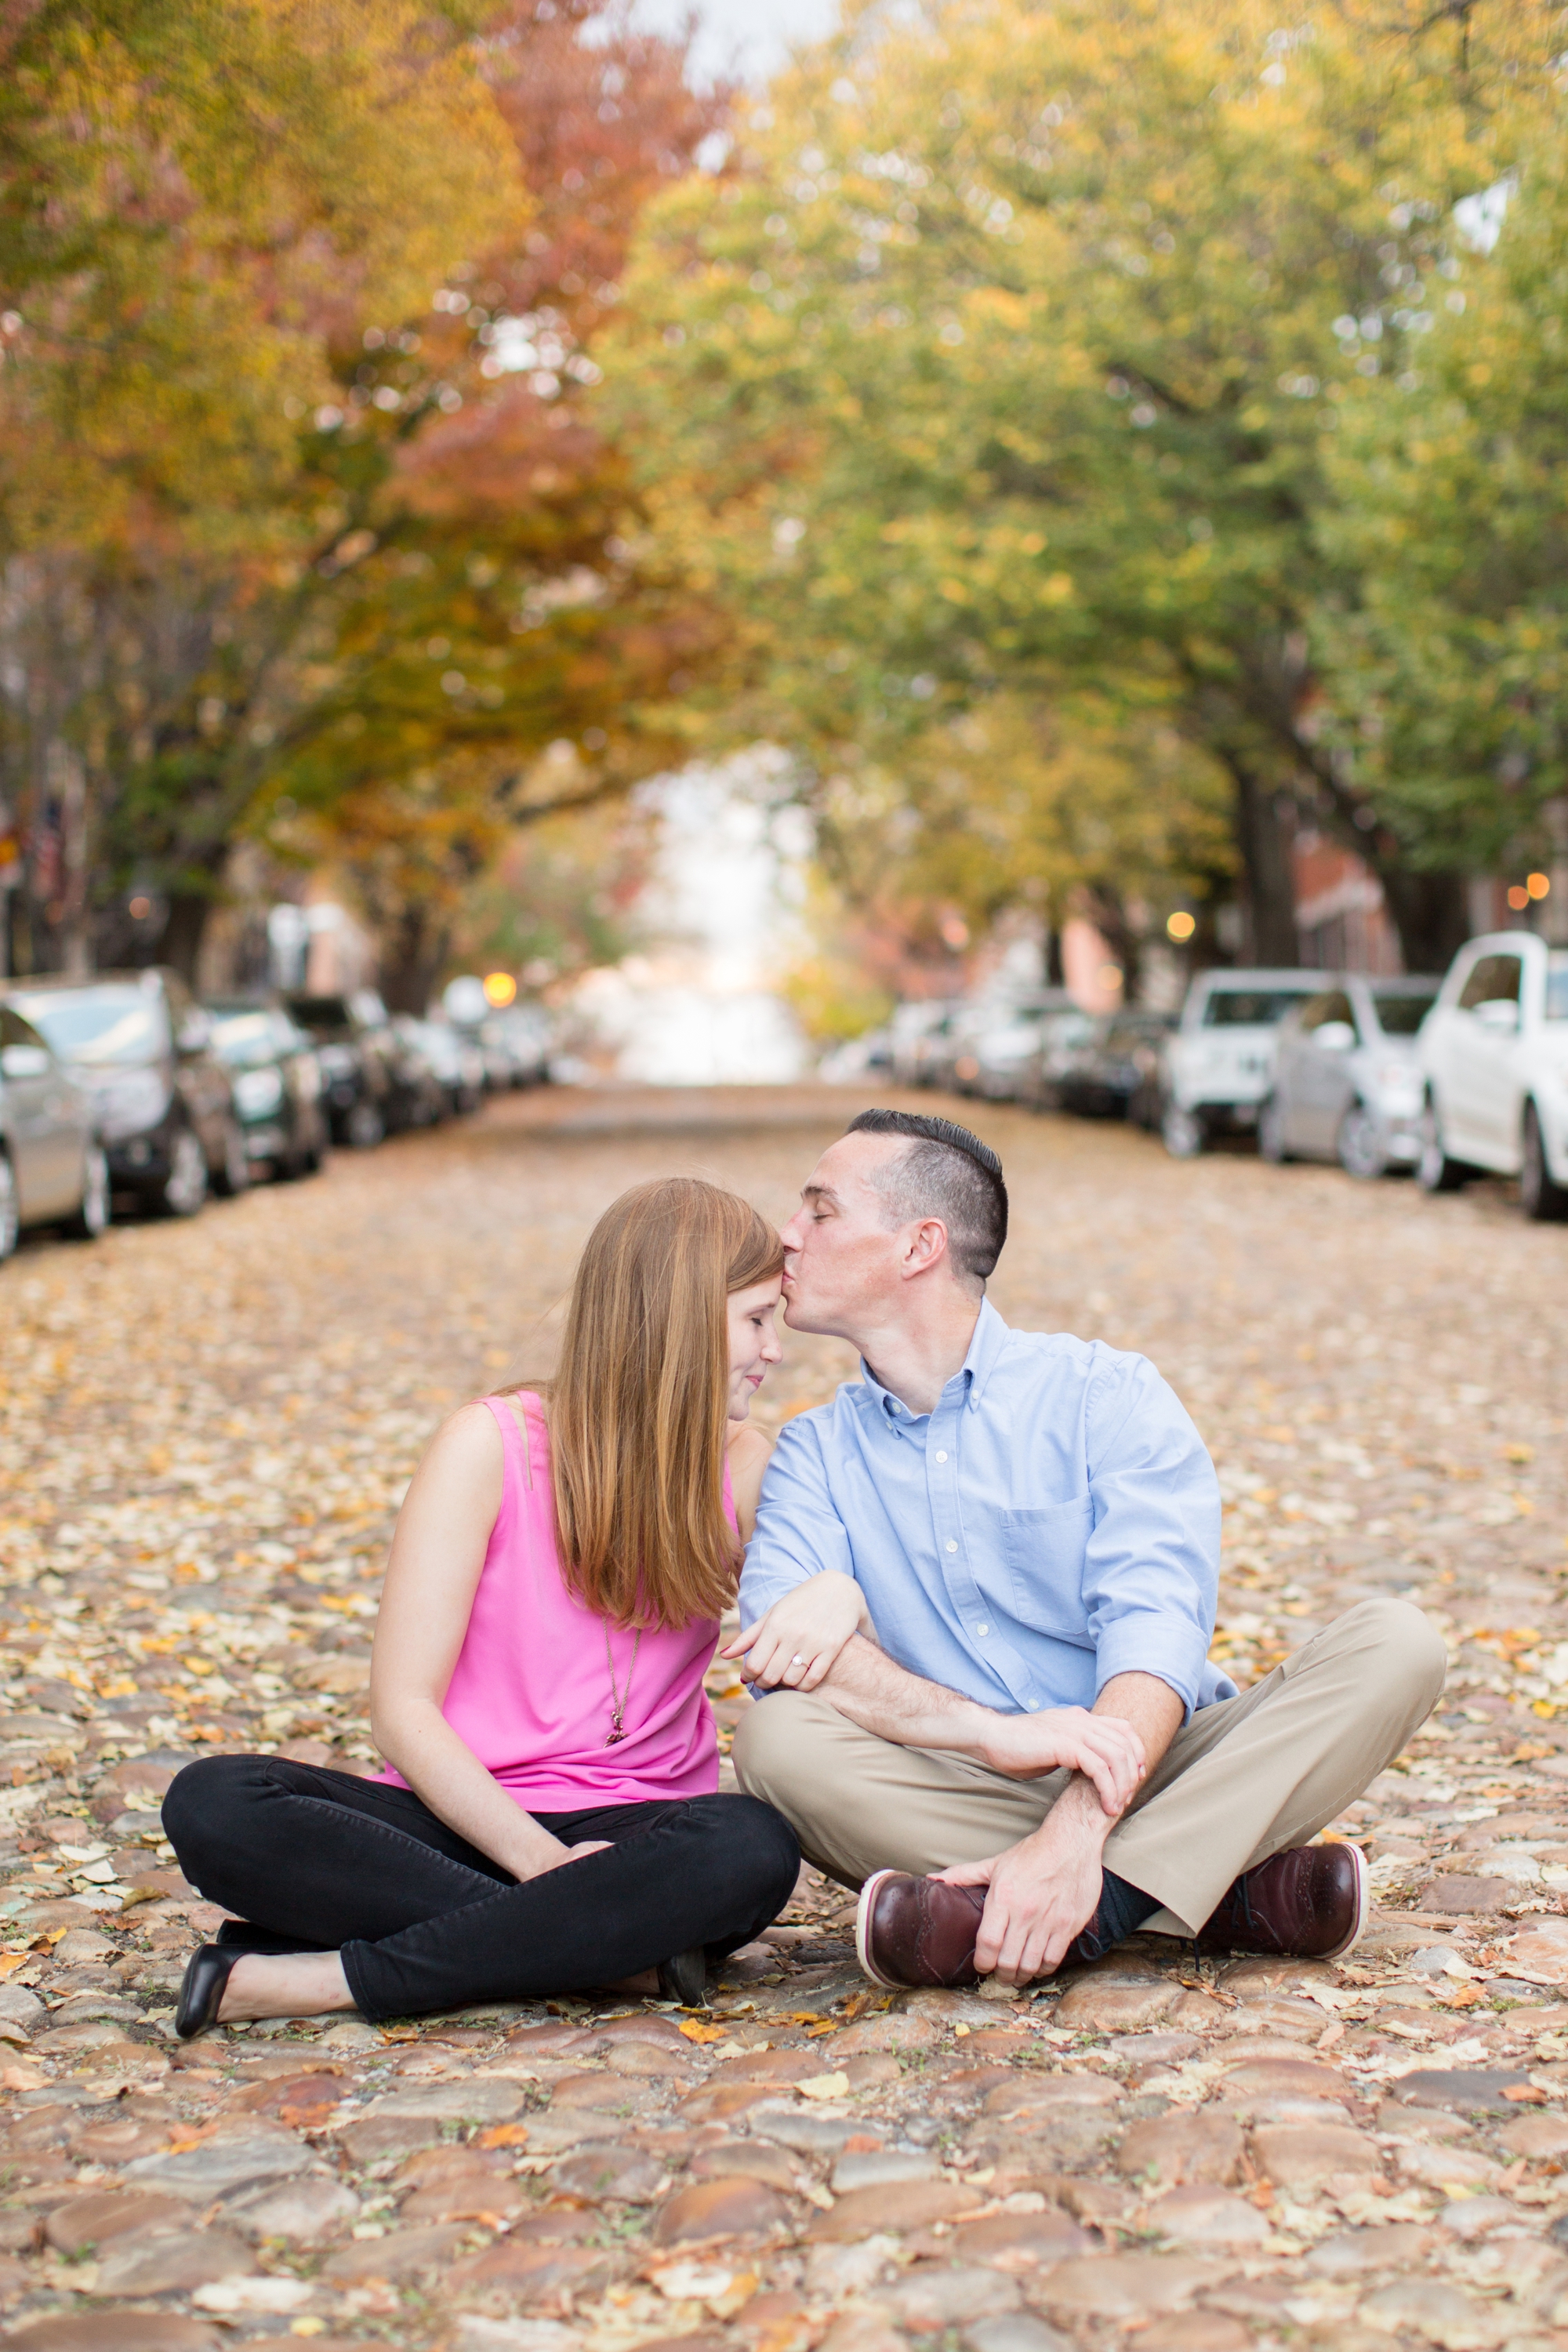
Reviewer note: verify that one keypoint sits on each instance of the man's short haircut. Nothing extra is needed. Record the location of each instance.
(949, 1173)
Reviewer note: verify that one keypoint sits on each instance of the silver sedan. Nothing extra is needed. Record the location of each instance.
(52, 1168)
(1347, 1086)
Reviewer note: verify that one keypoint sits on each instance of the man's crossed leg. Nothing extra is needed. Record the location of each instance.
(1241, 1781)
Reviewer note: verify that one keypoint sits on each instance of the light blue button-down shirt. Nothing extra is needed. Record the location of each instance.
(1053, 1523)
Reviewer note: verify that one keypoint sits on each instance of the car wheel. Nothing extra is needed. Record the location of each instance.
(234, 1176)
(184, 1189)
(1271, 1144)
(10, 1216)
(1434, 1172)
(1544, 1198)
(92, 1215)
(365, 1127)
(1362, 1150)
(1182, 1132)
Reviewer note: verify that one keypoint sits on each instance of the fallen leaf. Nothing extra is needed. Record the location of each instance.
(824, 2086)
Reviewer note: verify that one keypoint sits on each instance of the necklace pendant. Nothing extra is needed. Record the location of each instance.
(616, 1736)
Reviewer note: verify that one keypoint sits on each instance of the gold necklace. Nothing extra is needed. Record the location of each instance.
(619, 1699)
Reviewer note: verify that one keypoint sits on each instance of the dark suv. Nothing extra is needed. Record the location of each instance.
(367, 1084)
(140, 1048)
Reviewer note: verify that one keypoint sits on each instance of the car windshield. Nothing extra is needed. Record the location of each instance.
(120, 1023)
(1400, 1013)
(326, 1015)
(1249, 1008)
(243, 1040)
(1557, 988)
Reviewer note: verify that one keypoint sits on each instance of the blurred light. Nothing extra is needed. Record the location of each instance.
(141, 908)
(954, 932)
(1519, 897)
(499, 988)
(1538, 885)
(1181, 925)
(1110, 975)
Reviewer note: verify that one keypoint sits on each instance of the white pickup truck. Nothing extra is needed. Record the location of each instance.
(1494, 1063)
(1219, 1063)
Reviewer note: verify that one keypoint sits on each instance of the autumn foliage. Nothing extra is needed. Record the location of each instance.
(326, 547)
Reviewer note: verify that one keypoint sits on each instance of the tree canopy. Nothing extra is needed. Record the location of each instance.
(301, 512)
(1040, 351)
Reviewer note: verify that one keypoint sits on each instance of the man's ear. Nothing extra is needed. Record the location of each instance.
(925, 1247)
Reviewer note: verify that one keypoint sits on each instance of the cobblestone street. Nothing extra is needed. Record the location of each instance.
(204, 1433)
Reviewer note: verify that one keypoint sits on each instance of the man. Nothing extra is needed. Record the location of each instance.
(978, 1605)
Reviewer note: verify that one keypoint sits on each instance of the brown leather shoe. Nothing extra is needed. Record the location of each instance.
(1308, 1903)
(922, 1931)
(917, 1931)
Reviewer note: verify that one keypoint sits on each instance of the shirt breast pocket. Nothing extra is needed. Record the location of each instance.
(1044, 1553)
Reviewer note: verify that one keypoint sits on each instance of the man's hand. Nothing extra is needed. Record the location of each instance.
(795, 1643)
(1104, 1748)
(1040, 1891)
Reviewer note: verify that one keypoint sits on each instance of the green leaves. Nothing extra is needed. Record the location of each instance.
(1032, 333)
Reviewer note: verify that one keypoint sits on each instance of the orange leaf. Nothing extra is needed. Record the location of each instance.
(503, 2135)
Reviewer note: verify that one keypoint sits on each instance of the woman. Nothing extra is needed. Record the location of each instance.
(551, 1820)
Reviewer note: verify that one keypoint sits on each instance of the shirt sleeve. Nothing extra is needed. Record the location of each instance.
(799, 1532)
(1150, 1578)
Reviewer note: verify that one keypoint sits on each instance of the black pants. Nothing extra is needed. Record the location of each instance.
(322, 1862)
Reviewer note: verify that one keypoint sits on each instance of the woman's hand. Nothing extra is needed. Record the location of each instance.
(795, 1644)
(565, 1854)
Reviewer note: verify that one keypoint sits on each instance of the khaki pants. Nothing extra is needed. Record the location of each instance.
(1241, 1781)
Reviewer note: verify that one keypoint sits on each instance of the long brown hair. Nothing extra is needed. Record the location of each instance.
(638, 1408)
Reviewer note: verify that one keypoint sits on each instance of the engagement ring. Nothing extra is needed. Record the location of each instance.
(798, 1660)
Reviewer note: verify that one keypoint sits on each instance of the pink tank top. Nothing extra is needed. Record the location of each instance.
(531, 1692)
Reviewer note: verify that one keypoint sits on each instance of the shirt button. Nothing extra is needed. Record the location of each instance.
(941, 1457)
(983, 1631)
(952, 1547)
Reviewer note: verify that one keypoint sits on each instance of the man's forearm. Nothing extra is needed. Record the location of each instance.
(883, 1697)
(868, 1687)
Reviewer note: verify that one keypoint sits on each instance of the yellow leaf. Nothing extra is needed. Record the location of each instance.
(695, 2031)
(825, 2086)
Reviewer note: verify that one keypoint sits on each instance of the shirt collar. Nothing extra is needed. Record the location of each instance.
(984, 1348)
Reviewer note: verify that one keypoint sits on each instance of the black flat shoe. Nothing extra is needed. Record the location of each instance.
(202, 1988)
(683, 1977)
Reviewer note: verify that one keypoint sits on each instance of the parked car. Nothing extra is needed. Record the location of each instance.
(908, 1032)
(951, 1059)
(140, 1048)
(1219, 1061)
(370, 1091)
(517, 1044)
(857, 1060)
(454, 1062)
(1016, 1041)
(1061, 1037)
(1115, 1066)
(277, 1080)
(1494, 1065)
(932, 1047)
(1347, 1084)
(53, 1171)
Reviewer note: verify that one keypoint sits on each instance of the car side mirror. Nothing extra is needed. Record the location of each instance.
(1335, 1038)
(1500, 1014)
(25, 1062)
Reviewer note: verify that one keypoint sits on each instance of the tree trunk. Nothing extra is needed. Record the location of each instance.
(1109, 916)
(181, 944)
(414, 949)
(1263, 834)
(1431, 914)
